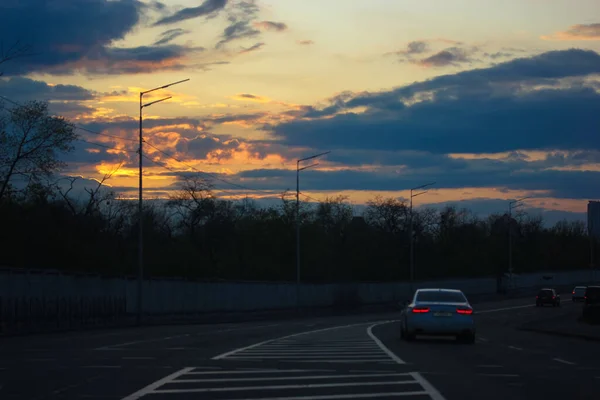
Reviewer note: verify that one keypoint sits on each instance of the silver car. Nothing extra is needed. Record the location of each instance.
(438, 312)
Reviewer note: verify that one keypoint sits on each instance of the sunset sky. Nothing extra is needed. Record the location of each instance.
(492, 100)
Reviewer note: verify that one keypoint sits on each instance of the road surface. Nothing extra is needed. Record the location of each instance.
(350, 357)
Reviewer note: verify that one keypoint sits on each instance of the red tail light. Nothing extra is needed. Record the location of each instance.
(420, 310)
(466, 311)
(537, 297)
(553, 297)
(573, 292)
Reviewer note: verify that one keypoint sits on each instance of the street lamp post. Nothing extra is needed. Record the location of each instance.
(411, 235)
(140, 279)
(298, 169)
(511, 205)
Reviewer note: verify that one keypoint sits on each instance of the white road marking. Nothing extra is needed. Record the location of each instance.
(503, 309)
(286, 378)
(382, 346)
(482, 339)
(235, 351)
(343, 396)
(515, 348)
(249, 371)
(279, 387)
(153, 386)
(429, 389)
(560, 360)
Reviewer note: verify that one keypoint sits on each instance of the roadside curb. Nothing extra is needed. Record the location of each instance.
(562, 334)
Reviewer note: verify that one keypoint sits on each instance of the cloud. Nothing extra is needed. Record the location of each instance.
(252, 48)
(207, 8)
(451, 56)
(577, 32)
(65, 30)
(251, 97)
(540, 183)
(305, 42)
(271, 26)
(495, 109)
(78, 36)
(133, 60)
(24, 89)
(170, 35)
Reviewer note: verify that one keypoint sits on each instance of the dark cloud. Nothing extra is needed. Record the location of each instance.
(201, 146)
(205, 9)
(577, 32)
(170, 35)
(241, 16)
(414, 47)
(558, 184)
(449, 57)
(271, 26)
(252, 48)
(63, 31)
(498, 54)
(484, 110)
(23, 89)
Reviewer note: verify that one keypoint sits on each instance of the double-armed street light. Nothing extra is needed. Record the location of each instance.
(512, 205)
(140, 277)
(298, 169)
(411, 235)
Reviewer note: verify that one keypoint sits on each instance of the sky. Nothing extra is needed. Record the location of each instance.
(490, 100)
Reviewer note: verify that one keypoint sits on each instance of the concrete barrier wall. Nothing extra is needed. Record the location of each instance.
(177, 296)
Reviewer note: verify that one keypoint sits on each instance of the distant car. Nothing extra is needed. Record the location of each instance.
(591, 302)
(444, 312)
(579, 293)
(547, 296)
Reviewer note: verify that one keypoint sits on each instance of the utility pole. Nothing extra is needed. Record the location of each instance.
(298, 169)
(140, 277)
(511, 205)
(411, 234)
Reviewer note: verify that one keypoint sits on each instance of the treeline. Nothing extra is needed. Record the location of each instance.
(198, 236)
(195, 235)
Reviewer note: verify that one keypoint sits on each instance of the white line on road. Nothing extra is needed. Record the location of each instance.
(382, 346)
(430, 390)
(503, 309)
(282, 387)
(289, 378)
(515, 348)
(238, 350)
(345, 396)
(560, 360)
(154, 385)
(249, 371)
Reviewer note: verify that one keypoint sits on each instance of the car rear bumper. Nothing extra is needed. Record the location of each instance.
(433, 327)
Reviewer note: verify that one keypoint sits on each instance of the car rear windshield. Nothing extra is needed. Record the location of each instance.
(545, 293)
(441, 297)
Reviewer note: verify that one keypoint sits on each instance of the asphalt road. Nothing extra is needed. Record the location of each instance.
(320, 358)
